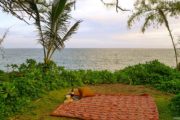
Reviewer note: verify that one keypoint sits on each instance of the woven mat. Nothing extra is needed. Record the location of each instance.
(110, 107)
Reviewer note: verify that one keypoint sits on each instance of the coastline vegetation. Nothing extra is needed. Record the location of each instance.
(28, 82)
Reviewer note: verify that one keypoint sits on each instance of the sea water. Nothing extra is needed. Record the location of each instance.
(96, 59)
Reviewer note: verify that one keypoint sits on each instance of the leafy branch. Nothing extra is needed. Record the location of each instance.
(114, 4)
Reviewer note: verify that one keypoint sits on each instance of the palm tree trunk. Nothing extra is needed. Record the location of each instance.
(38, 23)
(43, 43)
(172, 39)
(52, 53)
(174, 46)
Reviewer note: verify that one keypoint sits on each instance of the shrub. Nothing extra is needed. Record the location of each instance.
(137, 74)
(73, 78)
(152, 72)
(91, 77)
(122, 77)
(172, 86)
(27, 82)
(3, 76)
(29, 88)
(107, 77)
(10, 102)
(175, 105)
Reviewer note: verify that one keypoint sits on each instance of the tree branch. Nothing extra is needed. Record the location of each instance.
(116, 4)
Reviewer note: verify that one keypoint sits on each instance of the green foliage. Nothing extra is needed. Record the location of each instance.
(27, 82)
(3, 76)
(175, 105)
(91, 77)
(172, 86)
(30, 80)
(57, 27)
(151, 73)
(10, 101)
(98, 77)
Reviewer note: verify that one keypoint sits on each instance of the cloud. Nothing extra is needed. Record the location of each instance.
(102, 27)
(151, 39)
(94, 10)
(21, 42)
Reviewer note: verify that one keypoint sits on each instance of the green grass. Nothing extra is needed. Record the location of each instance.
(41, 108)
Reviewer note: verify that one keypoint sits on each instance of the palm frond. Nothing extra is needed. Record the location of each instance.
(135, 16)
(71, 31)
(59, 44)
(150, 18)
(56, 26)
(4, 36)
(57, 8)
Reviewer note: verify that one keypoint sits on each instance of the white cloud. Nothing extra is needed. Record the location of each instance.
(102, 27)
(94, 10)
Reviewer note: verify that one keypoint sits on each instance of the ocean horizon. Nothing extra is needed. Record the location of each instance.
(90, 58)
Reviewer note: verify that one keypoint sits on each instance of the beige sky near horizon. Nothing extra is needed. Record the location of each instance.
(101, 28)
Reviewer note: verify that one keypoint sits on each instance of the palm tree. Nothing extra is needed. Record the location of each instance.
(57, 27)
(51, 18)
(155, 12)
(31, 8)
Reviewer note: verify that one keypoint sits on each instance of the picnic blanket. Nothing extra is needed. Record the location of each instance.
(110, 107)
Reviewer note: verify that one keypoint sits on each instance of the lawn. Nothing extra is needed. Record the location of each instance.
(41, 108)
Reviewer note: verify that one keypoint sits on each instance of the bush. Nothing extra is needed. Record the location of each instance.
(137, 74)
(3, 76)
(74, 78)
(107, 77)
(97, 77)
(172, 86)
(10, 100)
(152, 72)
(29, 81)
(91, 77)
(175, 105)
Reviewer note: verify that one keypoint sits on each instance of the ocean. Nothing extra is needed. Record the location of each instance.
(95, 59)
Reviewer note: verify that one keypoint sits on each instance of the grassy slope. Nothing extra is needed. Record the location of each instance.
(41, 108)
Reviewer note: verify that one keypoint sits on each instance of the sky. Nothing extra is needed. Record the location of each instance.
(101, 27)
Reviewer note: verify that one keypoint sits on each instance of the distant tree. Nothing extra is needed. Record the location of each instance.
(155, 12)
